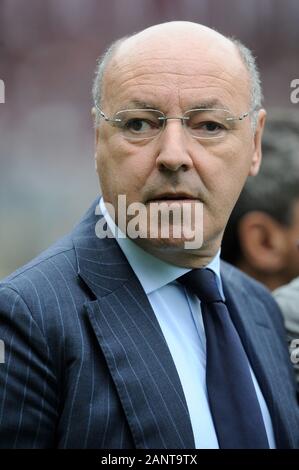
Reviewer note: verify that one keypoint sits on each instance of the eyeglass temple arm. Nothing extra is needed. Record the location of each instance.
(103, 115)
(239, 118)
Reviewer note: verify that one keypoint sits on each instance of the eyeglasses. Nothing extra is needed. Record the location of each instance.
(202, 123)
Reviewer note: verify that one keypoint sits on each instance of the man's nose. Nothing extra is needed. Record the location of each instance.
(173, 147)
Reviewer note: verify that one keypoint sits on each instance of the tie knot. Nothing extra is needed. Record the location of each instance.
(203, 283)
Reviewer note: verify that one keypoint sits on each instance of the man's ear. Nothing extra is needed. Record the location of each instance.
(262, 242)
(257, 143)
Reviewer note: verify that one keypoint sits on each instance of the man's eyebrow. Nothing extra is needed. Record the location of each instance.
(206, 104)
(138, 105)
(209, 104)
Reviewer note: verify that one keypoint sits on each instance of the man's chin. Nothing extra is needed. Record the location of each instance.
(168, 244)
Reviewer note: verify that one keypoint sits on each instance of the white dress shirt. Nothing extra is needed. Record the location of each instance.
(178, 312)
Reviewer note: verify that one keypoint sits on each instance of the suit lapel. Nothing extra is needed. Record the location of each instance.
(251, 321)
(132, 342)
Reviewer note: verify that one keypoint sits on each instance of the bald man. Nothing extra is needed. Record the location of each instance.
(129, 332)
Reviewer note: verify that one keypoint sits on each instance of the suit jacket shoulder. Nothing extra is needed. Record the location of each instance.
(243, 284)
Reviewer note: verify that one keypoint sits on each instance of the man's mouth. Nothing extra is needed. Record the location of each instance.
(173, 197)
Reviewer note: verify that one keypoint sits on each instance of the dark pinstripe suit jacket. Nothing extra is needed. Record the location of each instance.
(87, 365)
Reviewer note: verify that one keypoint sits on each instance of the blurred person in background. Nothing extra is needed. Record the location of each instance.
(288, 299)
(262, 235)
(119, 342)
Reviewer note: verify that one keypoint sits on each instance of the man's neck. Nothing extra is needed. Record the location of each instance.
(181, 257)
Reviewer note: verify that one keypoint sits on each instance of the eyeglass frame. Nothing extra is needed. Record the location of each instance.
(165, 118)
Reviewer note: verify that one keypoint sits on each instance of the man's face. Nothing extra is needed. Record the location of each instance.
(175, 76)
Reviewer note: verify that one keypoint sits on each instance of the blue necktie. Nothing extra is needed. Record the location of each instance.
(233, 402)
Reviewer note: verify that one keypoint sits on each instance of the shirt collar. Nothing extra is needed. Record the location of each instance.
(151, 271)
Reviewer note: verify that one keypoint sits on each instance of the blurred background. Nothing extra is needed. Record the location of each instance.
(48, 51)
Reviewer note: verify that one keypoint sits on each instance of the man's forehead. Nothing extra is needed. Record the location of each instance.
(188, 59)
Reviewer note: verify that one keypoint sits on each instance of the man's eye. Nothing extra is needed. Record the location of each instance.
(211, 126)
(139, 125)
(207, 128)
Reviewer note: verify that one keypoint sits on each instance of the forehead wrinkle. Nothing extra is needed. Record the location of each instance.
(221, 88)
(144, 80)
(142, 73)
(158, 77)
(174, 66)
(204, 96)
(128, 92)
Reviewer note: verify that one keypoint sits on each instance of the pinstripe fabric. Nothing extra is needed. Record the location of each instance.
(87, 365)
